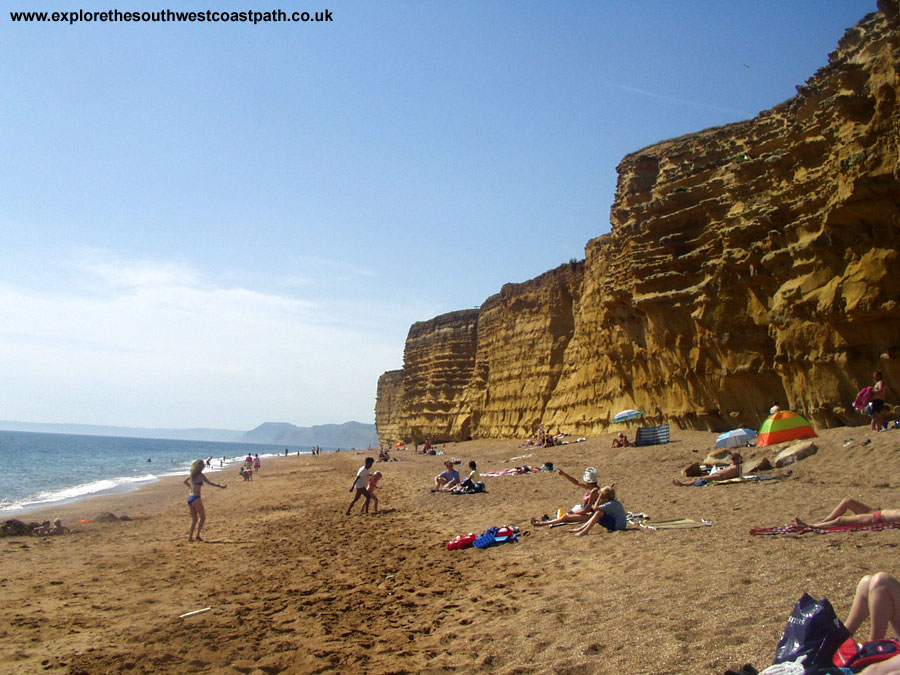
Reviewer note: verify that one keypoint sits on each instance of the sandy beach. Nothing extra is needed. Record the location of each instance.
(295, 586)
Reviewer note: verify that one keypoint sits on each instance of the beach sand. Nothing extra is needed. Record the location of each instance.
(295, 586)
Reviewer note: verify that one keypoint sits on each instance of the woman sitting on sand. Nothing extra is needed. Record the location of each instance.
(195, 482)
(621, 441)
(865, 515)
(580, 512)
(608, 511)
(733, 470)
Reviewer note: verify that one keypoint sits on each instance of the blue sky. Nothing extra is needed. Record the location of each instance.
(217, 225)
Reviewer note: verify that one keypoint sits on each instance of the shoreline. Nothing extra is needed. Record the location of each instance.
(295, 586)
(123, 485)
(82, 504)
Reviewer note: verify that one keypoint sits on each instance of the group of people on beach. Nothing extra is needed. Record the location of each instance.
(598, 505)
(877, 595)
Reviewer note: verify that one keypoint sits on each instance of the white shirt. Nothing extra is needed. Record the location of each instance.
(362, 478)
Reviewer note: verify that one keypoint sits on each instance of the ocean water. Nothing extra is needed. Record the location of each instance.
(40, 470)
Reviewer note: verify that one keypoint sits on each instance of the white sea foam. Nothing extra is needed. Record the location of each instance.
(124, 484)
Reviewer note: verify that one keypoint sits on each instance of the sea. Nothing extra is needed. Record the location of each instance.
(42, 470)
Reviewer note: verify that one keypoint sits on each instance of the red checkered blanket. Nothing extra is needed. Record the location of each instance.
(800, 529)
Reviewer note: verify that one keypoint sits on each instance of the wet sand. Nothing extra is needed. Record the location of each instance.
(295, 586)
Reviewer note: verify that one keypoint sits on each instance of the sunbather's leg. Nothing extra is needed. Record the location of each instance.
(849, 504)
(884, 605)
(567, 518)
(675, 481)
(877, 597)
(584, 529)
(842, 521)
(859, 610)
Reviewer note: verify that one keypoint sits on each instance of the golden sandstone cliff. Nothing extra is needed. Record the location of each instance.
(746, 263)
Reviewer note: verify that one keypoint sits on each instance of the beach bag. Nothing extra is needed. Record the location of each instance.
(813, 632)
(858, 656)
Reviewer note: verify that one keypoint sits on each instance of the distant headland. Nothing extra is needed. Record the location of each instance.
(346, 435)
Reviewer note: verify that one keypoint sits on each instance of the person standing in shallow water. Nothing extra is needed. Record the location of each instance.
(195, 482)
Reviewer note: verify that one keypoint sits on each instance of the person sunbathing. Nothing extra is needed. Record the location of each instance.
(863, 515)
(877, 598)
(733, 470)
(579, 513)
(621, 441)
(608, 511)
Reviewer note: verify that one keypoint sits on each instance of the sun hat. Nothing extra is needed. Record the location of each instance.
(590, 475)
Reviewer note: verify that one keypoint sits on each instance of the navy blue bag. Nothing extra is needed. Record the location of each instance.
(814, 632)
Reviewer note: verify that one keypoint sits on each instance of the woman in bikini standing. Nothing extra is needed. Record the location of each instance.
(195, 482)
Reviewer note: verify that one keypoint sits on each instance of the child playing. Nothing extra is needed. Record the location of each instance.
(370, 489)
(361, 484)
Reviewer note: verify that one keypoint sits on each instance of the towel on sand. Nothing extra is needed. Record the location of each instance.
(793, 528)
(677, 524)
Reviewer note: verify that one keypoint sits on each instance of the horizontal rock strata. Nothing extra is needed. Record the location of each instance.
(746, 263)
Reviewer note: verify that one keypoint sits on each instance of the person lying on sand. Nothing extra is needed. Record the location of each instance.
(608, 511)
(733, 470)
(864, 515)
(579, 513)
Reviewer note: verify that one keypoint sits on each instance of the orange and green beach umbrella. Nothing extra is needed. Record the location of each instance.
(784, 426)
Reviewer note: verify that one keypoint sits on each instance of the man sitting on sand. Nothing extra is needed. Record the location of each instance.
(446, 479)
(620, 441)
(733, 470)
(864, 515)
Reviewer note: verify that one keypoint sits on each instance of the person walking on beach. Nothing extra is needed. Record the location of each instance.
(361, 484)
(255, 463)
(195, 482)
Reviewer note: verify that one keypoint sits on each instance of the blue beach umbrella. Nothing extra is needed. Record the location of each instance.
(626, 415)
(736, 438)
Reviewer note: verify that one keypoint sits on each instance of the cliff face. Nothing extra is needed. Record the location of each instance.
(746, 263)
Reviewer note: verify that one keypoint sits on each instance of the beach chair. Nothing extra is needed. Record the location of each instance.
(652, 435)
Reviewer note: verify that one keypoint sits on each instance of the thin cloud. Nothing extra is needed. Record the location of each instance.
(161, 343)
(673, 99)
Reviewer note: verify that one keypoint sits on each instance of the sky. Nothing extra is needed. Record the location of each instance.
(224, 224)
